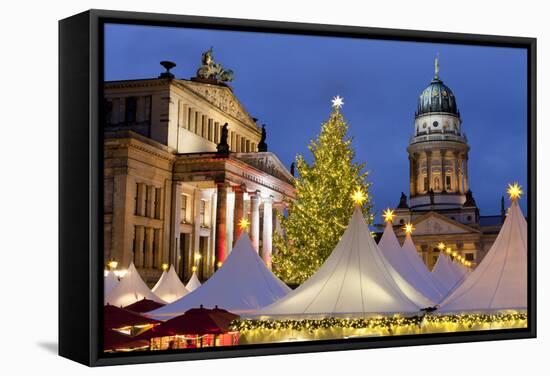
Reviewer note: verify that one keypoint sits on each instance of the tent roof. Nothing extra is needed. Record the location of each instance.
(193, 283)
(110, 281)
(195, 321)
(445, 274)
(113, 340)
(169, 286)
(144, 305)
(406, 262)
(130, 289)
(115, 317)
(499, 282)
(355, 280)
(242, 284)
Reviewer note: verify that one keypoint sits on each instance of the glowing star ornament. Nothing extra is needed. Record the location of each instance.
(358, 197)
(441, 246)
(514, 191)
(165, 267)
(409, 228)
(337, 102)
(244, 223)
(388, 215)
(112, 264)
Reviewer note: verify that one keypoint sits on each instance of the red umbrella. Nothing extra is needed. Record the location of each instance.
(115, 317)
(144, 305)
(113, 340)
(196, 321)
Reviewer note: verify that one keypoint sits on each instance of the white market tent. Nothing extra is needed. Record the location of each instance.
(355, 280)
(445, 274)
(499, 282)
(169, 287)
(130, 289)
(459, 269)
(243, 284)
(408, 264)
(193, 283)
(110, 281)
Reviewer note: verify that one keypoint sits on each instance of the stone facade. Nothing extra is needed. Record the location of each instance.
(169, 196)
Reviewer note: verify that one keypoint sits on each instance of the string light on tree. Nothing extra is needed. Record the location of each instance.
(388, 215)
(514, 191)
(321, 210)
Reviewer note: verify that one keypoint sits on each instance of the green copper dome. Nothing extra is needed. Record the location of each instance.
(437, 97)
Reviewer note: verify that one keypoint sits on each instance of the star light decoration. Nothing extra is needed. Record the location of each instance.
(388, 215)
(112, 264)
(337, 102)
(165, 267)
(514, 191)
(358, 197)
(409, 228)
(441, 246)
(244, 223)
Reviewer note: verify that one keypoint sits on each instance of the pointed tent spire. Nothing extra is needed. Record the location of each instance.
(406, 264)
(445, 274)
(110, 281)
(499, 282)
(355, 280)
(241, 285)
(169, 287)
(193, 283)
(130, 290)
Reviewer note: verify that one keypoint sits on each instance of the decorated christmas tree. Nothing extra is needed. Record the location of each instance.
(318, 217)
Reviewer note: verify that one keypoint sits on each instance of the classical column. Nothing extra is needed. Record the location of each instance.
(461, 173)
(429, 170)
(255, 220)
(238, 212)
(442, 169)
(267, 231)
(175, 221)
(456, 186)
(221, 222)
(412, 176)
(466, 185)
(150, 209)
(196, 234)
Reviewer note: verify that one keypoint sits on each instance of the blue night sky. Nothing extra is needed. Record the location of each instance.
(287, 82)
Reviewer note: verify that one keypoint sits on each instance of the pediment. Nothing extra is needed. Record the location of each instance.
(266, 162)
(433, 223)
(221, 97)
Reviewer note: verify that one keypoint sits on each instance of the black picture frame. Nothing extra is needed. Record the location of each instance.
(80, 185)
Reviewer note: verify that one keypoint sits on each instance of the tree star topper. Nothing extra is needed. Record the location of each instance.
(337, 102)
(358, 197)
(388, 215)
(514, 191)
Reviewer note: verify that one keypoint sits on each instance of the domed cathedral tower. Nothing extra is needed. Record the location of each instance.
(438, 151)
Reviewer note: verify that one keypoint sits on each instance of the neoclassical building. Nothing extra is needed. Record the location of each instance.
(184, 163)
(441, 205)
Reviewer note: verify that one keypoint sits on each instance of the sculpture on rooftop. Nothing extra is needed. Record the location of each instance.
(210, 70)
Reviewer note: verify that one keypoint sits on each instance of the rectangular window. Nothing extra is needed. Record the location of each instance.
(183, 210)
(469, 256)
(136, 200)
(158, 198)
(147, 192)
(202, 211)
(426, 183)
(134, 245)
(130, 112)
(448, 182)
(156, 248)
(108, 108)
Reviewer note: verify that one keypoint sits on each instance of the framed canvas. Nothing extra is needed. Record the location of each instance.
(239, 187)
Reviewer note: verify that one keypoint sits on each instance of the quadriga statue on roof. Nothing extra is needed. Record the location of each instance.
(211, 70)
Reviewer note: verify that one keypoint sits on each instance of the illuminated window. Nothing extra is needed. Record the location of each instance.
(202, 210)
